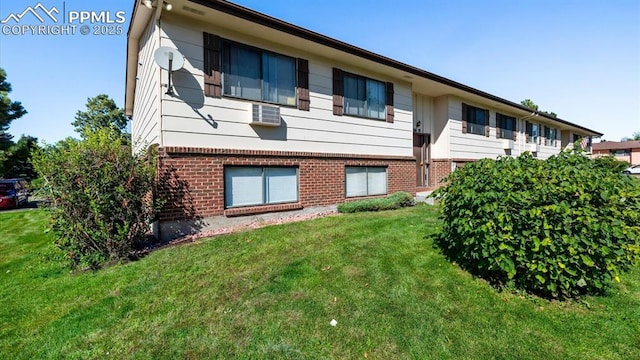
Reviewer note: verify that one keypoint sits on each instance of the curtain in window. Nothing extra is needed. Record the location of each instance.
(281, 185)
(242, 72)
(376, 99)
(354, 95)
(361, 181)
(243, 186)
(376, 181)
(356, 181)
(279, 79)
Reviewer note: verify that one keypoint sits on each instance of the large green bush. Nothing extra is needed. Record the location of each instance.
(101, 203)
(560, 228)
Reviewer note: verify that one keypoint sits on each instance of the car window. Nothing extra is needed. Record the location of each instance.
(5, 188)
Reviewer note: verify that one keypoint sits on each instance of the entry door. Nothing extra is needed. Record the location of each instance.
(420, 152)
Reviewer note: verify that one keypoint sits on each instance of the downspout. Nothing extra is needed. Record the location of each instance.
(522, 143)
(160, 92)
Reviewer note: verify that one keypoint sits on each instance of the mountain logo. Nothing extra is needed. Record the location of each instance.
(39, 11)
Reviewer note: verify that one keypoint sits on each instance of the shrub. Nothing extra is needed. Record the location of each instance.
(393, 201)
(560, 228)
(100, 196)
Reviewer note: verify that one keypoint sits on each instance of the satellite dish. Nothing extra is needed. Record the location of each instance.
(169, 59)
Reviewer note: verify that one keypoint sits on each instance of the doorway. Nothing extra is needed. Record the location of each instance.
(421, 153)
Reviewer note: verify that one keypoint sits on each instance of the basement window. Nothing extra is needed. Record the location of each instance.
(248, 185)
(364, 181)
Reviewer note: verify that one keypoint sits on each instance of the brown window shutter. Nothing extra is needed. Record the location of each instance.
(528, 130)
(338, 92)
(497, 126)
(487, 128)
(464, 118)
(390, 110)
(303, 85)
(212, 46)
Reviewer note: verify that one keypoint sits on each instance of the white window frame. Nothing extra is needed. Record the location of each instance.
(265, 180)
(369, 188)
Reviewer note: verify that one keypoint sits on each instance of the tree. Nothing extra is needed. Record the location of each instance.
(531, 105)
(17, 159)
(102, 112)
(14, 158)
(9, 111)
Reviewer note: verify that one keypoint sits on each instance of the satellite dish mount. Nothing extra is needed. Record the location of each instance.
(169, 59)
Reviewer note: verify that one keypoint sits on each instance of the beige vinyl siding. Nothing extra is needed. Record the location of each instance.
(471, 146)
(191, 119)
(440, 148)
(145, 129)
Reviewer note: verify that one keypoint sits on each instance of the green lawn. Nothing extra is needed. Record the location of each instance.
(271, 293)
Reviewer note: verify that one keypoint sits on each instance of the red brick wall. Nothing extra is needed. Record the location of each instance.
(441, 168)
(193, 178)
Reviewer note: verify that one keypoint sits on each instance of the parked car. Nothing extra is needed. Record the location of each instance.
(632, 170)
(13, 193)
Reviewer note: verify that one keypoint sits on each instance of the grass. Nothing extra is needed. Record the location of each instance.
(271, 293)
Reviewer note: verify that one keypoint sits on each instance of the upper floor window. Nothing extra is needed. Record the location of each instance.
(550, 136)
(506, 126)
(254, 74)
(475, 120)
(364, 97)
(533, 133)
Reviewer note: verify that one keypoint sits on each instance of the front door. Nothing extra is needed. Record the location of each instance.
(420, 152)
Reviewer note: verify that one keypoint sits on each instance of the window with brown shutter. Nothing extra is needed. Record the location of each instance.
(338, 91)
(505, 127)
(464, 118)
(303, 84)
(212, 45)
(475, 120)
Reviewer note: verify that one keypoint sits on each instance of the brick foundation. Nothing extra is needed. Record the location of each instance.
(193, 178)
(441, 168)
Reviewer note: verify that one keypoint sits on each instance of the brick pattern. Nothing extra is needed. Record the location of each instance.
(441, 168)
(193, 178)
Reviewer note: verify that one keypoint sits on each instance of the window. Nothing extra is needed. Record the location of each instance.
(364, 97)
(362, 181)
(533, 133)
(506, 126)
(244, 186)
(550, 135)
(474, 120)
(623, 152)
(254, 74)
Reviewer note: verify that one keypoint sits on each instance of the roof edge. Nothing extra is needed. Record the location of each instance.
(269, 21)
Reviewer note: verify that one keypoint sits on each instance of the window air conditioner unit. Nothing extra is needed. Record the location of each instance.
(534, 148)
(265, 115)
(507, 144)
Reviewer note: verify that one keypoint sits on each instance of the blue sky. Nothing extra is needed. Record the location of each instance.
(580, 59)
